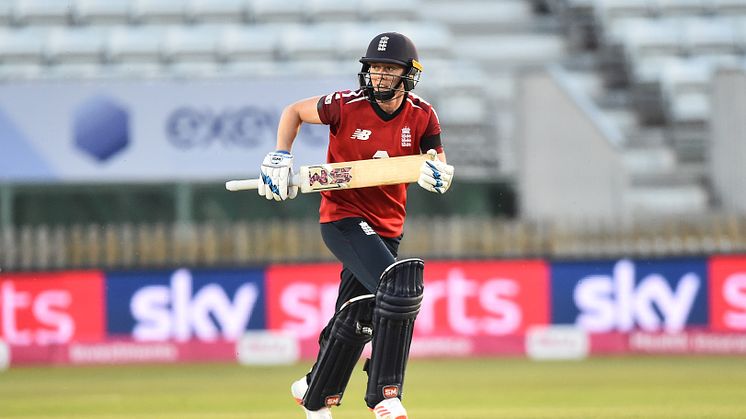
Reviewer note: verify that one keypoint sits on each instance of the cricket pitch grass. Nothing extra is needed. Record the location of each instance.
(604, 387)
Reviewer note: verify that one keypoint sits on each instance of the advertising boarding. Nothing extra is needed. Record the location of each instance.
(625, 295)
(162, 130)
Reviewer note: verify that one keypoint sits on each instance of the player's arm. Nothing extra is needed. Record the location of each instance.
(277, 167)
(292, 117)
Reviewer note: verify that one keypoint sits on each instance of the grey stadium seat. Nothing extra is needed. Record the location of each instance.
(25, 45)
(642, 37)
(6, 11)
(192, 43)
(21, 71)
(333, 10)
(73, 71)
(76, 44)
(135, 43)
(223, 11)
(476, 17)
(738, 24)
(728, 7)
(241, 43)
(387, 10)
(158, 11)
(708, 35)
(610, 10)
(308, 42)
(270, 11)
(101, 11)
(54, 12)
(684, 7)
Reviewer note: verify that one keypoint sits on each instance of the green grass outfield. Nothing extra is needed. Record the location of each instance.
(615, 387)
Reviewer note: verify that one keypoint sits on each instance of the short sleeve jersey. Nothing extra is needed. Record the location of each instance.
(359, 130)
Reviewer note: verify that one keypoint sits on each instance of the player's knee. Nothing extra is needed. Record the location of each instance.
(400, 289)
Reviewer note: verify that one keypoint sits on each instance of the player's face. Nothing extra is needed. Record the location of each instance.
(385, 76)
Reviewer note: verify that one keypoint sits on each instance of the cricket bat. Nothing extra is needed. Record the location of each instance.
(349, 175)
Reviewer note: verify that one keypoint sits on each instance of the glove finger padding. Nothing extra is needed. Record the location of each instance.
(435, 176)
(277, 170)
(292, 189)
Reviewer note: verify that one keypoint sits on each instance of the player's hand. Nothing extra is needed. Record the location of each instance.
(435, 176)
(277, 171)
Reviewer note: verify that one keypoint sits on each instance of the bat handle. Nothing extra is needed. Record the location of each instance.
(242, 185)
(247, 184)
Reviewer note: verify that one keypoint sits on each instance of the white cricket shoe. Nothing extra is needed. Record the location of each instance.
(298, 389)
(390, 409)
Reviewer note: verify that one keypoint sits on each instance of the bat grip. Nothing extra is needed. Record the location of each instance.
(247, 184)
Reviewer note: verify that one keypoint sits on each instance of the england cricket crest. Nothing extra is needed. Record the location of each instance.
(323, 177)
(406, 137)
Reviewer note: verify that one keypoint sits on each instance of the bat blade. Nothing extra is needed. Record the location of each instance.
(348, 175)
(361, 173)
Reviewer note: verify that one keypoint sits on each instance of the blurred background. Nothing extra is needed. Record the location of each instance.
(598, 147)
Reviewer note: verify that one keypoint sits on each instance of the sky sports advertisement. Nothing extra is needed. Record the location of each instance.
(470, 308)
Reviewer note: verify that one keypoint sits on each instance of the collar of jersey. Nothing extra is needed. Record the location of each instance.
(389, 116)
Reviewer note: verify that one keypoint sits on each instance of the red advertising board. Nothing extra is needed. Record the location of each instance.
(51, 308)
(469, 299)
(300, 298)
(728, 293)
(494, 298)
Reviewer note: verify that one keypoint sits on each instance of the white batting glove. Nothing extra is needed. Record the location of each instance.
(435, 176)
(277, 170)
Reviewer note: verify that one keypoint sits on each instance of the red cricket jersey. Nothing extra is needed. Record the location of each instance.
(357, 131)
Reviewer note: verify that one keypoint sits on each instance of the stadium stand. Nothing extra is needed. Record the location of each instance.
(646, 64)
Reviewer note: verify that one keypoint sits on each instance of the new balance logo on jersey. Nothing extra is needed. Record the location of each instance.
(366, 228)
(361, 134)
(383, 43)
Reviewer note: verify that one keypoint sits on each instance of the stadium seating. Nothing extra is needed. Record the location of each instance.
(661, 53)
(218, 11)
(159, 11)
(101, 12)
(30, 12)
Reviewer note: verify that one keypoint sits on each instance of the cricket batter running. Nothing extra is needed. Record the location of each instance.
(379, 297)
